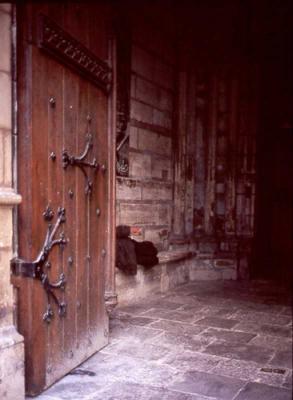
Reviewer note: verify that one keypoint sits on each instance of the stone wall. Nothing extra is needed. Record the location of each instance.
(144, 198)
(215, 159)
(11, 343)
(191, 152)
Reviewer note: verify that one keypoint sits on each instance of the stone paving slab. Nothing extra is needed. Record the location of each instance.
(164, 304)
(202, 341)
(280, 343)
(221, 312)
(185, 300)
(261, 317)
(178, 328)
(265, 329)
(188, 360)
(207, 384)
(137, 320)
(240, 351)
(194, 306)
(248, 305)
(141, 332)
(217, 322)
(183, 342)
(258, 391)
(282, 358)
(126, 391)
(71, 387)
(276, 330)
(250, 371)
(181, 316)
(228, 335)
(134, 309)
(138, 349)
(128, 369)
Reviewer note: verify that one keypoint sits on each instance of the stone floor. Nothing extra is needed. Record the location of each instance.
(205, 340)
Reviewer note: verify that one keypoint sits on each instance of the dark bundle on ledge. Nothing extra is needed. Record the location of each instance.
(146, 253)
(129, 252)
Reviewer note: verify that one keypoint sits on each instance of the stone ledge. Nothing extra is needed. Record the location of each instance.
(175, 267)
(174, 255)
(171, 271)
(8, 197)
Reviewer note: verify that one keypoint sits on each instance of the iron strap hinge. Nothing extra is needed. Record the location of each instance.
(38, 269)
(25, 269)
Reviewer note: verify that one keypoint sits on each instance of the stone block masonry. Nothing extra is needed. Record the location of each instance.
(191, 182)
(144, 198)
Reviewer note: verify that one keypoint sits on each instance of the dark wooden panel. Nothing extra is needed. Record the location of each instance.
(38, 198)
(70, 133)
(97, 232)
(55, 106)
(82, 226)
(55, 200)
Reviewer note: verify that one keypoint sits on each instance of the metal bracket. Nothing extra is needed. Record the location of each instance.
(35, 269)
(81, 163)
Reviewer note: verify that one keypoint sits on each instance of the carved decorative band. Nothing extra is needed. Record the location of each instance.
(69, 51)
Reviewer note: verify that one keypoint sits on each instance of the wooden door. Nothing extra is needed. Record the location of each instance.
(64, 175)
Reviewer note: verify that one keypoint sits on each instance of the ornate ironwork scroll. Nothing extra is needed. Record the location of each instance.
(123, 48)
(60, 44)
(37, 268)
(81, 163)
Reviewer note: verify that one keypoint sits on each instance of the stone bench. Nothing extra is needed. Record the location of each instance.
(175, 267)
(171, 271)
